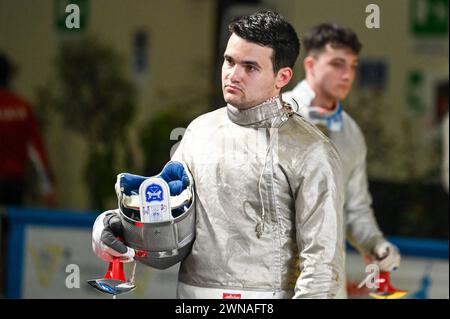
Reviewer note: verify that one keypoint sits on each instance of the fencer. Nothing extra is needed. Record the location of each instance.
(268, 185)
(332, 54)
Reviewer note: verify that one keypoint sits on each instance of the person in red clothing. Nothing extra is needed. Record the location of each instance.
(20, 141)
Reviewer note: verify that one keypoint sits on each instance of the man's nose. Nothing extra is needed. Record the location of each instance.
(348, 73)
(235, 74)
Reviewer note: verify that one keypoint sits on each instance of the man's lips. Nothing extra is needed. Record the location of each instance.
(343, 86)
(230, 87)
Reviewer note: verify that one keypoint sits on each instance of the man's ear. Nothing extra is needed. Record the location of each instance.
(308, 64)
(283, 77)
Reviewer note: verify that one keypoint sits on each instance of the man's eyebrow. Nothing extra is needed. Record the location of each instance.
(245, 62)
(252, 63)
(337, 59)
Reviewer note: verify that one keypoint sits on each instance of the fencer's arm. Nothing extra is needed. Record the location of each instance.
(319, 223)
(362, 229)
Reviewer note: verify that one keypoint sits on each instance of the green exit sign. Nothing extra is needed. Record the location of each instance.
(71, 15)
(429, 18)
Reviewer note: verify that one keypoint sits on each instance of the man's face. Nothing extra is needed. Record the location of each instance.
(247, 74)
(332, 72)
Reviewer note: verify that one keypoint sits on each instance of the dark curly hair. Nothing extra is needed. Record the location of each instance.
(327, 33)
(269, 29)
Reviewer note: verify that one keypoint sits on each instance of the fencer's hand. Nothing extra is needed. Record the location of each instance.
(387, 256)
(106, 232)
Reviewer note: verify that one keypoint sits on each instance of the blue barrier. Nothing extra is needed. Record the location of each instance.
(19, 218)
(418, 247)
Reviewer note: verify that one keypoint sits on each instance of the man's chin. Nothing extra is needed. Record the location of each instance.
(240, 106)
(342, 95)
(235, 102)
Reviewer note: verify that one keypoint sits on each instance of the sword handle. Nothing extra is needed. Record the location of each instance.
(115, 270)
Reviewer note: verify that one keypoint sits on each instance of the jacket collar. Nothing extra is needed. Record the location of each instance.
(266, 114)
(303, 96)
